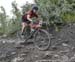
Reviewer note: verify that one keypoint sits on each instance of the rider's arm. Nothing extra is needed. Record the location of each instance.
(37, 18)
(28, 17)
(36, 15)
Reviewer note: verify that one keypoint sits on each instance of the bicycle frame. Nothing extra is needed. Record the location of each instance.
(36, 33)
(36, 26)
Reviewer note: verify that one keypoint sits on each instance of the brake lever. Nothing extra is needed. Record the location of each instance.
(40, 22)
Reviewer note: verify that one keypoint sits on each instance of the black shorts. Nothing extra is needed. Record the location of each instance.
(26, 21)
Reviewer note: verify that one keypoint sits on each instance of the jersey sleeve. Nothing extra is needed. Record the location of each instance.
(29, 13)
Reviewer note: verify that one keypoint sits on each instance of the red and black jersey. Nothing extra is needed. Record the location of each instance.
(31, 13)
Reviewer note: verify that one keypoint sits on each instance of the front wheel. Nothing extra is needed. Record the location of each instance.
(42, 39)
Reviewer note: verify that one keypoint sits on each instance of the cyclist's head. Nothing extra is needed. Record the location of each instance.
(34, 8)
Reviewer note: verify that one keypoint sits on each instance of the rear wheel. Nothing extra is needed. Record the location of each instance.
(42, 39)
(26, 34)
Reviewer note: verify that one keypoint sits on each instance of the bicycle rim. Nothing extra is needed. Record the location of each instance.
(26, 34)
(42, 40)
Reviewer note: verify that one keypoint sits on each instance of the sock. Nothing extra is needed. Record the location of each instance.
(32, 30)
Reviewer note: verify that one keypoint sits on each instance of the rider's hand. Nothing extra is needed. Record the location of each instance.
(30, 20)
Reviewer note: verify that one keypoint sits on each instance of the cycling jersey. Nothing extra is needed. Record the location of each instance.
(31, 13)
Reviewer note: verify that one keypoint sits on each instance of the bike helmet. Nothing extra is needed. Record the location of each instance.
(35, 8)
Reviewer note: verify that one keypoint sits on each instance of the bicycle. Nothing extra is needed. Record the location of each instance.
(40, 36)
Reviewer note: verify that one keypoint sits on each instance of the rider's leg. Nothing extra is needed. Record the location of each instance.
(23, 27)
(31, 27)
(32, 31)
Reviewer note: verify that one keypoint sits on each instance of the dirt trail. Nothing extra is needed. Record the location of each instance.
(62, 49)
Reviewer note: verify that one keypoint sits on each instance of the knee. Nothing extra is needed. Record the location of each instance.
(24, 24)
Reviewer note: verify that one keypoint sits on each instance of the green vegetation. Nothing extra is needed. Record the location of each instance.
(57, 9)
(52, 11)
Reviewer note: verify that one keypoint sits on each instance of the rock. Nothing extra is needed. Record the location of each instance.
(23, 54)
(64, 58)
(12, 53)
(17, 59)
(64, 44)
(3, 41)
(53, 48)
(20, 59)
(48, 55)
(36, 56)
(4, 35)
(73, 49)
(2, 56)
(14, 60)
(72, 59)
(56, 56)
(63, 52)
(51, 36)
(18, 46)
(66, 41)
(74, 24)
(48, 60)
(59, 39)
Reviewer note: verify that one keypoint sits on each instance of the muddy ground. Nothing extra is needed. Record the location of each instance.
(62, 48)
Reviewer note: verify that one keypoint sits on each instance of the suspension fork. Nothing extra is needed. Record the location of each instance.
(32, 34)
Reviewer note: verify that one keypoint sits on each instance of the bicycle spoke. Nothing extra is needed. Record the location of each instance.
(42, 40)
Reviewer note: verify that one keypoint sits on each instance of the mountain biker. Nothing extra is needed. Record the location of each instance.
(27, 18)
